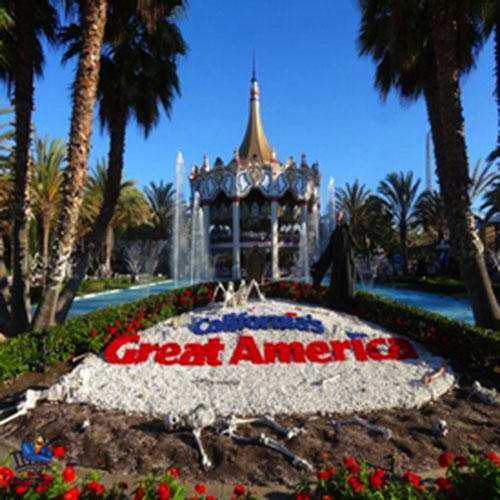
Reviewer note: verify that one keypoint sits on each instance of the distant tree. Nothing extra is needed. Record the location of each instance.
(45, 188)
(429, 213)
(399, 193)
(482, 180)
(131, 209)
(161, 200)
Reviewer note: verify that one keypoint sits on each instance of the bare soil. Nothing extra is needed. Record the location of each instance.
(123, 444)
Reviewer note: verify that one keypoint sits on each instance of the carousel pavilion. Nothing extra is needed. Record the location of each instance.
(256, 203)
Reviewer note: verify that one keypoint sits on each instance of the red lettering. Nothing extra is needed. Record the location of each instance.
(194, 355)
(169, 350)
(212, 351)
(246, 350)
(359, 350)
(285, 352)
(145, 350)
(339, 347)
(401, 349)
(374, 353)
(318, 352)
(111, 351)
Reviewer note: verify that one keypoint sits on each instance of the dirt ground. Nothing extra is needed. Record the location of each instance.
(118, 443)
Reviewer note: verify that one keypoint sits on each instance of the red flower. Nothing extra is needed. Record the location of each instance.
(200, 488)
(355, 483)
(112, 330)
(326, 497)
(6, 474)
(493, 457)
(323, 475)
(461, 461)
(3, 484)
(95, 487)
(118, 323)
(411, 478)
(379, 472)
(93, 333)
(375, 481)
(302, 496)
(239, 490)
(71, 494)
(445, 459)
(140, 315)
(348, 461)
(210, 497)
(139, 494)
(443, 483)
(163, 492)
(69, 474)
(158, 308)
(174, 472)
(58, 452)
(22, 488)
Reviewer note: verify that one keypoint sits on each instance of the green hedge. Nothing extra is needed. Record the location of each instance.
(466, 344)
(469, 345)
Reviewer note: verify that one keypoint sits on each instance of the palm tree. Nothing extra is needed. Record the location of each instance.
(138, 76)
(399, 193)
(131, 209)
(92, 21)
(353, 201)
(429, 213)
(45, 188)
(481, 180)
(418, 57)
(161, 200)
(491, 201)
(491, 17)
(22, 60)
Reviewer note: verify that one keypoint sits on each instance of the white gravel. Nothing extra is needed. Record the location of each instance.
(348, 386)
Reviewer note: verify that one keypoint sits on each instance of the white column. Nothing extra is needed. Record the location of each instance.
(236, 239)
(304, 234)
(206, 240)
(275, 269)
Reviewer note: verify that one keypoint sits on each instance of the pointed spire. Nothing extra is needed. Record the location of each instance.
(255, 141)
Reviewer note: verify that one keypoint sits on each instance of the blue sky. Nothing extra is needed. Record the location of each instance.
(317, 96)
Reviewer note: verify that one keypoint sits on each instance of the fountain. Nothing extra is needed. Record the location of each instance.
(178, 266)
(367, 267)
(199, 259)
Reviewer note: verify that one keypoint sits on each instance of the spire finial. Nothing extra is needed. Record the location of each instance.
(254, 75)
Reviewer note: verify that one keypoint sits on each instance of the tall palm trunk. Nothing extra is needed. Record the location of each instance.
(4, 287)
(111, 195)
(453, 171)
(93, 20)
(23, 88)
(108, 248)
(45, 247)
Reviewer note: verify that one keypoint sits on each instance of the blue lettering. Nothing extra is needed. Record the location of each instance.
(197, 327)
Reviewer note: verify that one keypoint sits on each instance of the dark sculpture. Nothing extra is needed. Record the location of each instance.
(338, 253)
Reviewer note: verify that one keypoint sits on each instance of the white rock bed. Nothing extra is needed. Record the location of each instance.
(247, 389)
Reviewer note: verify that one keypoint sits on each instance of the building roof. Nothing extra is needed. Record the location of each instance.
(255, 141)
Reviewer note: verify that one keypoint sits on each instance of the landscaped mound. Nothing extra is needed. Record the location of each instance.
(270, 357)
